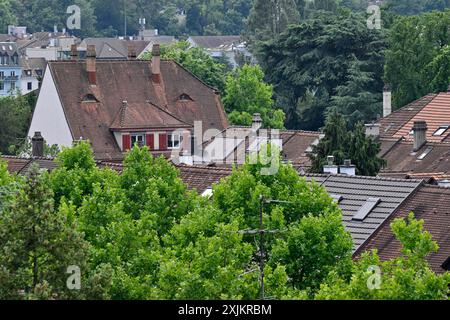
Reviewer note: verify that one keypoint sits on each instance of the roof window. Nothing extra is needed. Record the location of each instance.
(439, 132)
(366, 209)
(425, 153)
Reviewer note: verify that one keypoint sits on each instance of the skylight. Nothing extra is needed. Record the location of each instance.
(366, 209)
(425, 153)
(439, 132)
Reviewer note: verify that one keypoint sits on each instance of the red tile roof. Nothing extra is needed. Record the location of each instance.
(436, 113)
(430, 203)
(130, 81)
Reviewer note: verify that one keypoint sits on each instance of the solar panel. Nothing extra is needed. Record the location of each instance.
(366, 209)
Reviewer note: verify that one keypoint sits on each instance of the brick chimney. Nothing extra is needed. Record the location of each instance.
(420, 134)
(132, 55)
(37, 143)
(74, 52)
(91, 68)
(387, 100)
(156, 63)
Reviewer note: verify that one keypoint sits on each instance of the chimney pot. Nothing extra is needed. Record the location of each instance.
(91, 67)
(420, 134)
(387, 100)
(37, 143)
(74, 52)
(156, 63)
(348, 168)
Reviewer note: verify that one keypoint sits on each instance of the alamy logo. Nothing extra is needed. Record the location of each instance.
(374, 21)
(74, 20)
(374, 281)
(74, 280)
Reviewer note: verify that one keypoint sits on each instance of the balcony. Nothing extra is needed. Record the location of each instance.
(9, 78)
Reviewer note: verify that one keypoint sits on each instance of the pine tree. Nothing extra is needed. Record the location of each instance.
(38, 243)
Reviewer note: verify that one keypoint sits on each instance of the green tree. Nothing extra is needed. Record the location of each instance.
(246, 93)
(7, 16)
(407, 277)
(343, 144)
(38, 243)
(307, 63)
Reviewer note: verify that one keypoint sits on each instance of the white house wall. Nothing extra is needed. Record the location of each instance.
(48, 117)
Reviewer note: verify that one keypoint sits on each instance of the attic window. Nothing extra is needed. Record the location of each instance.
(425, 153)
(439, 132)
(366, 209)
(446, 264)
(90, 98)
(337, 198)
(185, 97)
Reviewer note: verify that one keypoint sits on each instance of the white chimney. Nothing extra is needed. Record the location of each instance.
(387, 101)
(348, 168)
(330, 167)
(373, 130)
(420, 134)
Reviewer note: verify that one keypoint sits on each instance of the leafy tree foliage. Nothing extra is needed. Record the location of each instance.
(407, 277)
(246, 93)
(344, 144)
(15, 115)
(38, 243)
(325, 56)
(417, 58)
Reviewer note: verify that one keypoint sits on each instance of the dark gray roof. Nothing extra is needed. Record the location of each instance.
(8, 47)
(356, 191)
(33, 64)
(113, 48)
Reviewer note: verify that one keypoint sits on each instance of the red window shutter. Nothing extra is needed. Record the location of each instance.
(150, 140)
(126, 142)
(163, 141)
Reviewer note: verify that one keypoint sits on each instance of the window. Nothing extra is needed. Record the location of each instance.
(139, 139)
(13, 73)
(30, 86)
(366, 209)
(425, 153)
(439, 132)
(174, 141)
(2, 74)
(2, 86)
(13, 86)
(185, 97)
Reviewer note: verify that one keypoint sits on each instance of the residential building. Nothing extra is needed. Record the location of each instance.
(366, 202)
(428, 203)
(416, 138)
(32, 73)
(231, 47)
(117, 103)
(10, 69)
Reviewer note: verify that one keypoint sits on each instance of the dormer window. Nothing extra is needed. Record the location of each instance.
(138, 139)
(185, 97)
(90, 98)
(439, 132)
(174, 141)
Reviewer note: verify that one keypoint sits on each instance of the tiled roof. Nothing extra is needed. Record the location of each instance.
(215, 42)
(21, 165)
(436, 113)
(9, 48)
(390, 125)
(355, 191)
(430, 203)
(130, 81)
(401, 160)
(113, 48)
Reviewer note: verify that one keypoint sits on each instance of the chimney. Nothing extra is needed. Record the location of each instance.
(37, 143)
(156, 63)
(132, 55)
(348, 168)
(330, 167)
(373, 130)
(74, 52)
(256, 122)
(420, 134)
(387, 100)
(91, 68)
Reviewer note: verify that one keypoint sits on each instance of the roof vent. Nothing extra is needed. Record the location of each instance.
(337, 198)
(366, 209)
